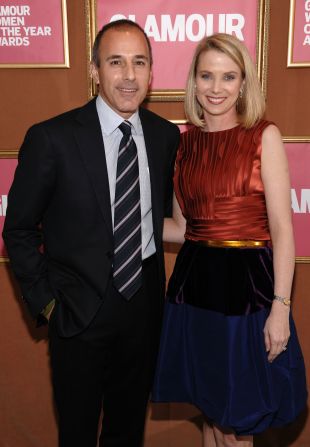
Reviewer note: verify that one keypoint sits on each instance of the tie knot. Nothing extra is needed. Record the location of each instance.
(125, 127)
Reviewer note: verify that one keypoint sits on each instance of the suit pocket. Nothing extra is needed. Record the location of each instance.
(77, 301)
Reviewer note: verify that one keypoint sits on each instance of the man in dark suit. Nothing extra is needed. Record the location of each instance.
(83, 232)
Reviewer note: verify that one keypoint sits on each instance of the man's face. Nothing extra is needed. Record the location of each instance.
(124, 74)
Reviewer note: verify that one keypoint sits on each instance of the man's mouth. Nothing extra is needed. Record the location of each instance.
(127, 90)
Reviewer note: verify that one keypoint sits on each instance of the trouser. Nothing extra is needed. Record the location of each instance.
(108, 367)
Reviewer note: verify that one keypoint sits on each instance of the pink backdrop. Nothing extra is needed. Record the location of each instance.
(32, 33)
(299, 161)
(175, 27)
(7, 168)
(301, 36)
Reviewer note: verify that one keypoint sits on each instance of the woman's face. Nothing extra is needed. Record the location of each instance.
(218, 83)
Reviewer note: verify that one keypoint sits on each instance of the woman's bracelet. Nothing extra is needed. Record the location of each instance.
(285, 301)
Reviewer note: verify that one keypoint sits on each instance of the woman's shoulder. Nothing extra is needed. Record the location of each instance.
(190, 131)
(260, 129)
(262, 125)
(190, 135)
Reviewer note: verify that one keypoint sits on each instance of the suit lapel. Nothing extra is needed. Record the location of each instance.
(89, 140)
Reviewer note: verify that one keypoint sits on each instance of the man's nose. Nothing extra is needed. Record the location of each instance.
(129, 71)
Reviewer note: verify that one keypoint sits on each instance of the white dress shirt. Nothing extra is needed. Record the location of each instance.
(112, 135)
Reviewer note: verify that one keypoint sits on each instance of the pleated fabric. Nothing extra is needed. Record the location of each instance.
(218, 183)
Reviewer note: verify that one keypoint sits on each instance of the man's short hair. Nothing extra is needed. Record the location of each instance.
(117, 24)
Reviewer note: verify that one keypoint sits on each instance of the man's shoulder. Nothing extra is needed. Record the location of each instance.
(154, 119)
(65, 118)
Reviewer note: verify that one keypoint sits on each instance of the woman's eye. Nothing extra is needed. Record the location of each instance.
(229, 77)
(206, 76)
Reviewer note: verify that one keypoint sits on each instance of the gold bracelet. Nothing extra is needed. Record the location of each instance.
(285, 301)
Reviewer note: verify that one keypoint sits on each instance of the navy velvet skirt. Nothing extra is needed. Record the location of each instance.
(212, 351)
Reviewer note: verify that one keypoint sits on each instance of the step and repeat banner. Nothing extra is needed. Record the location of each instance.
(175, 28)
(7, 169)
(33, 34)
(298, 54)
(299, 162)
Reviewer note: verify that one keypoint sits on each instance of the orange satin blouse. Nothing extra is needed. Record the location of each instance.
(218, 184)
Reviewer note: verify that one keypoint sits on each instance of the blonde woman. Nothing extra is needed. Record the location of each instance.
(229, 344)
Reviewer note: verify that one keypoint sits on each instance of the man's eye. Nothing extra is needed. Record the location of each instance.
(116, 62)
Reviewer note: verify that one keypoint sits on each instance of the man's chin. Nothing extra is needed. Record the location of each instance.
(129, 108)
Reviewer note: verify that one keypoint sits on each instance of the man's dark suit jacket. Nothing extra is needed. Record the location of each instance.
(58, 228)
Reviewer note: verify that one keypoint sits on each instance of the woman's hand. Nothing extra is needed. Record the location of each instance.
(277, 330)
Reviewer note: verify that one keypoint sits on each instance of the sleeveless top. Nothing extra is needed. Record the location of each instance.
(218, 184)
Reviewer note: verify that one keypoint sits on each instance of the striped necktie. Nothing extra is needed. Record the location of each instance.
(127, 263)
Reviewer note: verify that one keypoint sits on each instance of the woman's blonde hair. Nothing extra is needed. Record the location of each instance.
(251, 104)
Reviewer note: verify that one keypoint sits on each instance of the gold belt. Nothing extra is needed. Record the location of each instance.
(244, 243)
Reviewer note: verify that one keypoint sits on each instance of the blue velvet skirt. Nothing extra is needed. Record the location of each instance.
(212, 351)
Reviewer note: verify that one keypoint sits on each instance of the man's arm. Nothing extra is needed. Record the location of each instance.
(169, 186)
(28, 200)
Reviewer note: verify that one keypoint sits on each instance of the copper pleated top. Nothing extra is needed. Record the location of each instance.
(218, 184)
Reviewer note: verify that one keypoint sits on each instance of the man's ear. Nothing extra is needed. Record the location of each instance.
(93, 69)
(151, 77)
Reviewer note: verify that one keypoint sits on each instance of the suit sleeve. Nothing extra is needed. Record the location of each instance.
(174, 144)
(28, 200)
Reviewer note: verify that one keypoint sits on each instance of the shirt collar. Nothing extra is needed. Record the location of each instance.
(110, 120)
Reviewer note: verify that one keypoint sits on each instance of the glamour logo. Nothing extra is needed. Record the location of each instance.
(307, 24)
(301, 206)
(3, 204)
(193, 27)
(22, 10)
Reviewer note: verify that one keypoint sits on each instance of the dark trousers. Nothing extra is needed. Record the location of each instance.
(109, 366)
